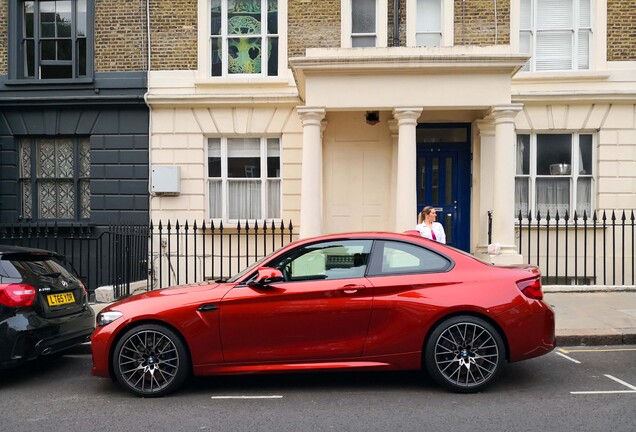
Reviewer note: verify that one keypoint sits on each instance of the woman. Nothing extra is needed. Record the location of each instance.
(427, 226)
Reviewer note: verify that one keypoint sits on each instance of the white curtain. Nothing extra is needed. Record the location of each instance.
(244, 199)
(428, 30)
(584, 196)
(553, 195)
(273, 199)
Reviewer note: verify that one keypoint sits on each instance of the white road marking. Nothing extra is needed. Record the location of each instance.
(567, 357)
(248, 397)
(633, 388)
(621, 382)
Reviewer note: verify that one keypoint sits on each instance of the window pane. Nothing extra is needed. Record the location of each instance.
(362, 41)
(243, 6)
(216, 56)
(80, 23)
(272, 61)
(584, 196)
(523, 154)
(408, 258)
(243, 158)
(448, 193)
(215, 196)
(585, 155)
(63, 19)
(48, 50)
(363, 16)
(27, 199)
(428, 39)
(81, 56)
(522, 193)
(85, 199)
(25, 158)
(273, 199)
(525, 13)
(46, 158)
(272, 17)
(65, 158)
(214, 157)
(85, 158)
(244, 55)
(65, 50)
(28, 19)
(554, 51)
(244, 199)
(273, 157)
(553, 195)
(555, 14)
(584, 50)
(215, 17)
(29, 58)
(553, 150)
(585, 14)
(56, 72)
(429, 16)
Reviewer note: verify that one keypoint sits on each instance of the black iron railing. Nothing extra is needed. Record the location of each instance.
(184, 252)
(579, 249)
(114, 255)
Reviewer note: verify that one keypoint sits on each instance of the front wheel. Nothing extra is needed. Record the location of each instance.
(150, 360)
(464, 354)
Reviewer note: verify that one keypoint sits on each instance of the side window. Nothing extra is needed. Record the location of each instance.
(402, 258)
(328, 260)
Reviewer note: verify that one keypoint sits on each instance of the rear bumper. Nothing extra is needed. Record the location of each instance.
(530, 330)
(24, 335)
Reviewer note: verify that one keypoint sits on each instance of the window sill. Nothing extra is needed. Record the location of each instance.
(49, 82)
(241, 82)
(530, 77)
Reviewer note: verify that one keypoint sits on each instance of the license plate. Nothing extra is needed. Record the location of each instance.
(60, 299)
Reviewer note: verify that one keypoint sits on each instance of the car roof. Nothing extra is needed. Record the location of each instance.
(11, 249)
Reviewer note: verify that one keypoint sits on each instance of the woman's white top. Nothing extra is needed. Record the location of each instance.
(438, 229)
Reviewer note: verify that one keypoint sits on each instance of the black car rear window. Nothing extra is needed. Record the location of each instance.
(20, 265)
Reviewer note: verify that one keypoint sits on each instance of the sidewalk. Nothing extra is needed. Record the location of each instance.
(597, 316)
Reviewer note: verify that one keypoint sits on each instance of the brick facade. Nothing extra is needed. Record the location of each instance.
(173, 41)
(313, 24)
(120, 35)
(402, 24)
(475, 22)
(621, 30)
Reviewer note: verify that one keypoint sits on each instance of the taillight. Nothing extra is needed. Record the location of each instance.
(16, 295)
(531, 288)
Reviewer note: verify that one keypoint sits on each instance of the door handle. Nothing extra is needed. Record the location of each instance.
(351, 289)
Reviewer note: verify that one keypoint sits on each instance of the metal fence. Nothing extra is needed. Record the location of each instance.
(189, 252)
(579, 249)
(114, 255)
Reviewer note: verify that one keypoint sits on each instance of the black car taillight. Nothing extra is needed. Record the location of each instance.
(17, 295)
(531, 288)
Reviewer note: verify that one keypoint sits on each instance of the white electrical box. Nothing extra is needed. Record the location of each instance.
(166, 180)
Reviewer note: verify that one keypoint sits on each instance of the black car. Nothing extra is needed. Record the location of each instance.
(43, 307)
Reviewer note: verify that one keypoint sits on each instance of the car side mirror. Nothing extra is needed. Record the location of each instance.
(268, 275)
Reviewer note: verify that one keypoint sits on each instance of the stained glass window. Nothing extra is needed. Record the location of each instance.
(55, 178)
(244, 37)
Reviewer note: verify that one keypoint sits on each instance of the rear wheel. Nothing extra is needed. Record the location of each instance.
(464, 354)
(150, 360)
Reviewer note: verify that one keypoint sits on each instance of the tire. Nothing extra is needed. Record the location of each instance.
(151, 360)
(464, 354)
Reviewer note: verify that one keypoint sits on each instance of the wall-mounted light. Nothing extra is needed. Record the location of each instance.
(372, 117)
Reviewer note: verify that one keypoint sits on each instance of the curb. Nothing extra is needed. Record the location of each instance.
(595, 337)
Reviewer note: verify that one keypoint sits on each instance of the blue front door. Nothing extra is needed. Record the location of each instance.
(443, 178)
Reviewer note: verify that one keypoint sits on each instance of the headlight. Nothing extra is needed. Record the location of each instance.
(105, 318)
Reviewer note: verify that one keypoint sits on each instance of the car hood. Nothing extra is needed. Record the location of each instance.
(182, 294)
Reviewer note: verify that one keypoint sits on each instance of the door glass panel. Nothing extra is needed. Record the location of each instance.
(449, 181)
(447, 135)
(422, 181)
(448, 227)
(435, 180)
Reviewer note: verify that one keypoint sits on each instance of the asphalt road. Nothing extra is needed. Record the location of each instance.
(572, 389)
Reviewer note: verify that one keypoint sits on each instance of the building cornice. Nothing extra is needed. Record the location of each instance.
(221, 100)
(576, 97)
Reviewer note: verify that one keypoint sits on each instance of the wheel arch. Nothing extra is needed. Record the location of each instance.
(134, 324)
(484, 317)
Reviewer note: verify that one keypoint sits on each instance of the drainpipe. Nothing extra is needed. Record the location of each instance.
(396, 23)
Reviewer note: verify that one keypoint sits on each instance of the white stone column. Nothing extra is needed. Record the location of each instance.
(393, 128)
(503, 218)
(406, 181)
(311, 180)
(483, 184)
